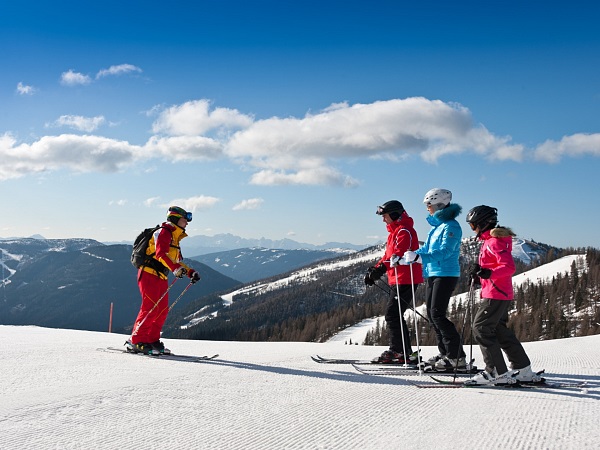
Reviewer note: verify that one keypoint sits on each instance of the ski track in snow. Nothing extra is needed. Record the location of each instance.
(59, 392)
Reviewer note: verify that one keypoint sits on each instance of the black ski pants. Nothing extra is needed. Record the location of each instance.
(394, 318)
(493, 336)
(438, 291)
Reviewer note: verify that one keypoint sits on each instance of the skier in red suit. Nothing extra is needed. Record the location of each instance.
(153, 282)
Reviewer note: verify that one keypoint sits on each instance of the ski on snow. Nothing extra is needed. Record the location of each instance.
(398, 369)
(322, 360)
(171, 356)
(543, 384)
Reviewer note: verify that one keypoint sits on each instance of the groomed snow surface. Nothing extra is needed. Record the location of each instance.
(58, 392)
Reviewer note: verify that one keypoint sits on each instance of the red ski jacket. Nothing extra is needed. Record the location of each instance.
(402, 237)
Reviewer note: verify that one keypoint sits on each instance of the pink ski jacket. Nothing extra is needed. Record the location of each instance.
(496, 254)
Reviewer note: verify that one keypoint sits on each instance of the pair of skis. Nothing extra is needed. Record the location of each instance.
(542, 384)
(167, 356)
(373, 368)
(377, 368)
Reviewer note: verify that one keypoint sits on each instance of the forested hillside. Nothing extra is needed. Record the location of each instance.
(568, 306)
(317, 310)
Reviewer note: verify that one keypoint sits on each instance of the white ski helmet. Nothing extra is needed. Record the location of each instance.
(438, 198)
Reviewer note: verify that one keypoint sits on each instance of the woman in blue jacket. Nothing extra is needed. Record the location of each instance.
(439, 256)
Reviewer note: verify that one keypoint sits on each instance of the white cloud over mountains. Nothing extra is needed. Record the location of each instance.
(280, 151)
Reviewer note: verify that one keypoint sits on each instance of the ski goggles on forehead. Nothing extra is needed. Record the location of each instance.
(188, 216)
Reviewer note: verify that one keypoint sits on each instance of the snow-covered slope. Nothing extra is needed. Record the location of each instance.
(57, 391)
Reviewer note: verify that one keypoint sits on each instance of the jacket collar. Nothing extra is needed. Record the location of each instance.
(405, 221)
(447, 214)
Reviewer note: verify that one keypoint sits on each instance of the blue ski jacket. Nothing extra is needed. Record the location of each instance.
(440, 252)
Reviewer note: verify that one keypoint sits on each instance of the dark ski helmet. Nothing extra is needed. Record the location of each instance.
(394, 208)
(175, 213)
(482, 217)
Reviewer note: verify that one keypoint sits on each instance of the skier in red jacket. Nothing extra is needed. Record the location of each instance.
(494, 271)
(401, 238)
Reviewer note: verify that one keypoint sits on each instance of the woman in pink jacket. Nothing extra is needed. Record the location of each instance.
(494, 271)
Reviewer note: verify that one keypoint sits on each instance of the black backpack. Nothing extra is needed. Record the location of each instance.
(139, 258)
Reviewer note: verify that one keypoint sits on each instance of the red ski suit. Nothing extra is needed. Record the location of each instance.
(152, 284)
(401, 238)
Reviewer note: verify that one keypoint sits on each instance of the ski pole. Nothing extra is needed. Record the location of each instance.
(177, 299)
(407, 304)
(412, 283)
(180, 295)
(400, 314)
(462, 335)
(137, 328)
(471, 309)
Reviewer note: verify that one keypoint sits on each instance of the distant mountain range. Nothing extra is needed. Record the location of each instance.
(71, 283)
(202, 245)
(251, 264)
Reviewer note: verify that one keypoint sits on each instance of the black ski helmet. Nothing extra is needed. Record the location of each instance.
(482, 217)
(394, 208)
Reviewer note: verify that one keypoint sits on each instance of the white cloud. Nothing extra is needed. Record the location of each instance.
(288, 151)
(301, 151)
(23, 89)
(315, 177)
(66, 151)
(71, 78)
(251, 203)
(151, 201)
(195, 118)
(117, 202)
(118, 70)
(87, 124)
(576, 145)
(194, 203)
(183, 148)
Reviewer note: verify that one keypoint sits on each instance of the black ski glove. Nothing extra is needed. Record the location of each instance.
(476, 272)
(374, 274)
(473, 269)
(484, 273)
(194, 276)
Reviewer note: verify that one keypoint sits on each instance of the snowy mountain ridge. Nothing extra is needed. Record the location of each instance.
(522, 249)
(543, 274)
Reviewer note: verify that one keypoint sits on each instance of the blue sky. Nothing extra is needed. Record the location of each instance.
(296, 119)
